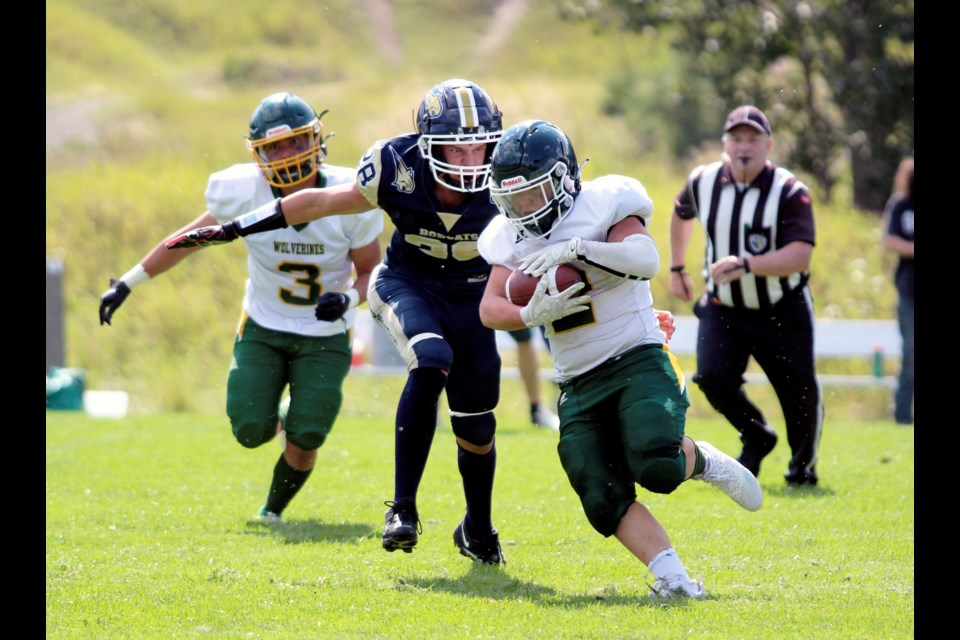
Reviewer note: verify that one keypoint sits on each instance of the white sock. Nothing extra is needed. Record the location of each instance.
(667, 563)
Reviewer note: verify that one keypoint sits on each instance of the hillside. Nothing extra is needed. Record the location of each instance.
(145, 100)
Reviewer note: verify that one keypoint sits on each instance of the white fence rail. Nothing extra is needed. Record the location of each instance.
(873, 340)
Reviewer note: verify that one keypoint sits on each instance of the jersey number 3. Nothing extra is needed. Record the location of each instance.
(310, 280)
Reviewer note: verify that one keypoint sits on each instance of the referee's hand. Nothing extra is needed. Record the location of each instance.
(727, 269)
(680, 284)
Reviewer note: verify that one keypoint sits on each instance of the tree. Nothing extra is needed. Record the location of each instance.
(835, 77)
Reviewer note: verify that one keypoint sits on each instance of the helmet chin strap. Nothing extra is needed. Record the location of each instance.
(576, 181)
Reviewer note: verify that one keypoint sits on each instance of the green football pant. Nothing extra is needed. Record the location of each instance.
(621, 424)
(264, 362)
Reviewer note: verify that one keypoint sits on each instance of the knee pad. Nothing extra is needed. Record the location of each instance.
(605, 507)
(428, 351)
(653, 453)
(476, 429)
(604, 496)
(309, 436)
(661, 475)
(251, 434)
(310, 418)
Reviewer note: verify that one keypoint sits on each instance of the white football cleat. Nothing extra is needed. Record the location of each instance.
(268, 516)
(730, 476)
(677, 586)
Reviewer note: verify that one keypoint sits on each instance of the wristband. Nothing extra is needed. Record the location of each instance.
(678, 269)
(136, 275)
(354, 297)
(746, 265)
(268, 217)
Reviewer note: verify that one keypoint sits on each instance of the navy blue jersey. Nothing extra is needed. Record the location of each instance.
(436, 247)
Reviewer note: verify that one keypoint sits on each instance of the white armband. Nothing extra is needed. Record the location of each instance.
(136, 275)
(268, 217)
(636, 258)
(354, 296)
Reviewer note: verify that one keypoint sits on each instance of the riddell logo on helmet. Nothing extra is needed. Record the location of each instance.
(510, 182)
(277, 130)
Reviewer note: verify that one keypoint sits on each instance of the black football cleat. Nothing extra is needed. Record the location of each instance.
(484, 551)
(401, 527)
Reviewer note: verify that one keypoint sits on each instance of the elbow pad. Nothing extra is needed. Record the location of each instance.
(269, 217)
(636, 258)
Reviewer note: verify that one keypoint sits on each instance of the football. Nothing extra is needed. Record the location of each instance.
(520, 286)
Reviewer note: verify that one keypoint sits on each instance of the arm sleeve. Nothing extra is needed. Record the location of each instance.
(636, 258)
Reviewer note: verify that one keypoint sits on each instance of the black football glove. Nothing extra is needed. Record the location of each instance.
(111, 299)
(215, 234)
(332, 305)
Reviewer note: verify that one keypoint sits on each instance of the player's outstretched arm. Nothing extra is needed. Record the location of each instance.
(150, 266)
(266, 218)
(303, 206)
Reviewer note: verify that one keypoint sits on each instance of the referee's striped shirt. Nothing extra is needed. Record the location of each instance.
(774, 210)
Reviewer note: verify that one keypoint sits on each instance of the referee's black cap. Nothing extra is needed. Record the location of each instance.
(750, 116)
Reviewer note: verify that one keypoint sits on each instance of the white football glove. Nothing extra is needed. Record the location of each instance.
(544, 308)
(537, 263)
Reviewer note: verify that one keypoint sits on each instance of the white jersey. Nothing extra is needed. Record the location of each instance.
(621, 310)
(289, 269)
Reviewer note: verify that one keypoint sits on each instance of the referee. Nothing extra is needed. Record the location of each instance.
(760, 234)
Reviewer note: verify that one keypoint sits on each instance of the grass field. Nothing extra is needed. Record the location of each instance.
(149, 534)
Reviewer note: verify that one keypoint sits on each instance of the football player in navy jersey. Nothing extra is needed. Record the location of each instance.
(425, 294)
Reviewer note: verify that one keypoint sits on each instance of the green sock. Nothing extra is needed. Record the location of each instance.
(700, 463)
(286, 483)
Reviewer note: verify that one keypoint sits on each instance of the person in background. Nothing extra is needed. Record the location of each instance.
(623, 399)
(299, 307)
(759, 225)
(898, 238)
(528, 364)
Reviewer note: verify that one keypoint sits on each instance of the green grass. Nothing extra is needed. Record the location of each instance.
(149, 534)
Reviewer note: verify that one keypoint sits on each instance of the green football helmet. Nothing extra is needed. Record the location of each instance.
(278, 118)
(534, 177)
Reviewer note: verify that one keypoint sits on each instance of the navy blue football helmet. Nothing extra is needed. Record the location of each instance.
(278, 117)
(534, 177)
(457, 112)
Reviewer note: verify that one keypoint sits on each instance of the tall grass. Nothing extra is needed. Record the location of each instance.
(150, 534)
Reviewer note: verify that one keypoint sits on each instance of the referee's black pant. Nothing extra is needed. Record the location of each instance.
(780, 339)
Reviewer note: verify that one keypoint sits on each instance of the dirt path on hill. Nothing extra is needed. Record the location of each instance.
(499, 27)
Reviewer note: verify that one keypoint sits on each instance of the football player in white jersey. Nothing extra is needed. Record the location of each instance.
(623, 397)
(301, 296)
